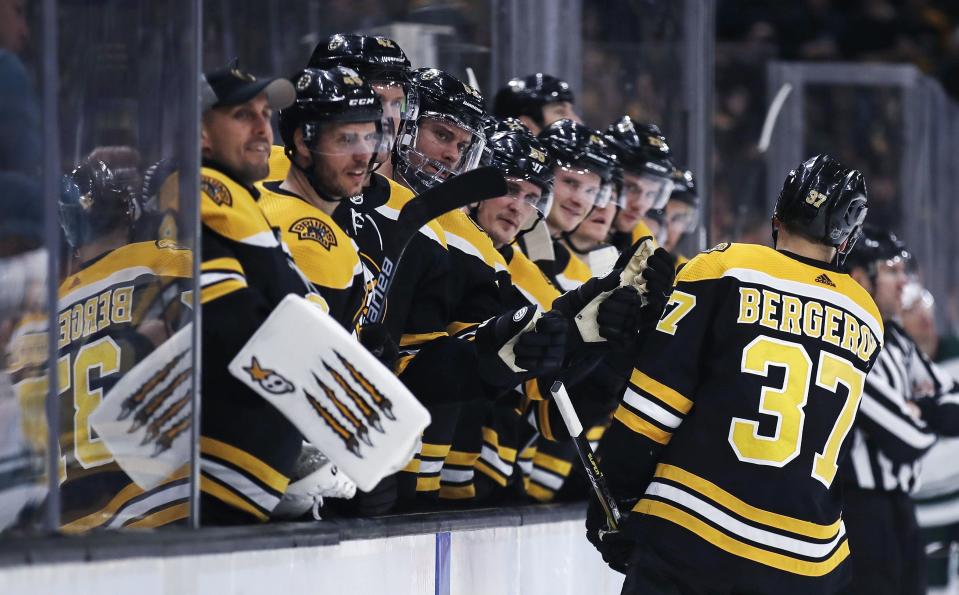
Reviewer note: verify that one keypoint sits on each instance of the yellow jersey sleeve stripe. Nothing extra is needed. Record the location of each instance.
(739, 548)
(539, 493)
(462, 459)
(177, 512)
(657, 389)
(427, 484)
(412, 467)
(98, 518)
(215, 292)
(417, 338)
(457, 492)
(250, 464)
(225, 263)
(219, 491)
(402, 363)
(747, 511)
(436, 451)
(545, 426)
(455, 328)
(493, 474)
(641, 426)
(558, 466)
(596, 433)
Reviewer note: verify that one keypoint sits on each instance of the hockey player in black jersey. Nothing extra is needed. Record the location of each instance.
(907, 404)
(645, 158)
(537, 100)
(726, 445)
(247, 447)
(119, 301)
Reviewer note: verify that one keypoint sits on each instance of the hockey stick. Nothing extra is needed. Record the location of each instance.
(585, 452)
(457, 192)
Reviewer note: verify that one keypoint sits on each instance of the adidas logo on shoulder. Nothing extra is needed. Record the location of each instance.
(825, 280)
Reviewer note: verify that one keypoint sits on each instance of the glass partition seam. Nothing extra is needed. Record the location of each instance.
(192, 181)
(51, 185)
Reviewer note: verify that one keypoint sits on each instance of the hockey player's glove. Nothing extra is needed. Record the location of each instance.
(615, 547)
(658, 276)
(378, 341)
(520, 344)
(618, 321)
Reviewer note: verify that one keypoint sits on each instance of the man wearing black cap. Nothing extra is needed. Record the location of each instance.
(247, 447)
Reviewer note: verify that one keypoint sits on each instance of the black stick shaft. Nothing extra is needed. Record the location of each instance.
(575, 428)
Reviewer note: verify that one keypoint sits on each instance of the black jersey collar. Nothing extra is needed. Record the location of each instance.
(821, 264)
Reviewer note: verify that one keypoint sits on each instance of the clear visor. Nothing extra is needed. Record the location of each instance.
(585, 183)
(530, 193)
(365, 141)
(645, 192)
(686, 219)
(440, 146)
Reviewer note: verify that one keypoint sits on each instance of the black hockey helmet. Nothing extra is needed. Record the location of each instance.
(93, 201)
(579, 149)
(642, 150)
(684, 187)
(446, 99)
(377, 59)
(336, 95)
(824, 201)
(526, 96)
(874, 246)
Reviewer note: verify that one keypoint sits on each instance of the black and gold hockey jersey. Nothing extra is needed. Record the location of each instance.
(103, 307)
(327, 256)
(733, 426)
(247, 447)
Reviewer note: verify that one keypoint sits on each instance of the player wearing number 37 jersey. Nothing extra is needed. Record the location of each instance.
(727, 440)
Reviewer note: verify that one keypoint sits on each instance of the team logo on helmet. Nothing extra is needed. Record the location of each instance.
(243, 76)
(304, 81)
(270, 380)
(385, 42)
(537, 154)
(430, 74)
(471, 90)
(815, 198)
(336, 41)
(216, 190)
(311, 228)
(656, 142)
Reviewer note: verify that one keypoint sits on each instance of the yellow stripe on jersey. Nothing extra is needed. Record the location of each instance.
(246, 462)
(434, 451)
(504, 452)
(530, 280)
(160, 259)
(177, 512)
(490, 472)
(428, 484)
(225, 263)
(461, 459)
(455, 328)
(457, 492)
(556, 465)
(641, 230)
(471, 238)
(542, 419)
(320, 248)
(402, 362)
(739, 548)
(747, 511)
(717, 263)
(576, 272)
(538, 492)
(531, 390)
(231, 211)
(399, 196)
(408, 339)
(413, 466)
(218, 290)
(595, 433)
(641, 426)
(108, 512)
(654, 388)
(221, 492)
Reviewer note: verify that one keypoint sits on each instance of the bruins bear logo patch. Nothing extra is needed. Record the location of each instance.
(311, 228)
(216, 190)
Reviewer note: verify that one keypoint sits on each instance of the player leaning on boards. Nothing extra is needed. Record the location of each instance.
(726, 444)
(247, 447)
(908, 403)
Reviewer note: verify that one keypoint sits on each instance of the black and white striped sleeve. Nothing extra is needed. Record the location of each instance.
(885, 414)
(940, 410)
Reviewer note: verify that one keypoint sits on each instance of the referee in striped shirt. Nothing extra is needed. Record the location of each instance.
(906, 405)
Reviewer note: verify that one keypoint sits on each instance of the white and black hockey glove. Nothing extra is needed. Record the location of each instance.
(519, 345)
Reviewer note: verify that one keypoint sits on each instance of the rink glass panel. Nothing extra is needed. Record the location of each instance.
(123, 330)
(862, 127)
(24, 292)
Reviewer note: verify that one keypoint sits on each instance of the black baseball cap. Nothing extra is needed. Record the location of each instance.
(231, 86)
